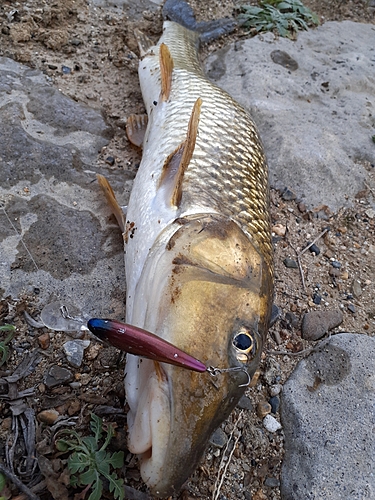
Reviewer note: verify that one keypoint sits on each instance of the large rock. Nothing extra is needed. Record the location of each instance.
(312, 100)
(328, 416)
(55, 239)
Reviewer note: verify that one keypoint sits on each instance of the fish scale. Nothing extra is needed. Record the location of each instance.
(228, 170)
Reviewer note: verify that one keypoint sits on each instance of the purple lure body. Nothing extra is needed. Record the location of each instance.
(139, 342)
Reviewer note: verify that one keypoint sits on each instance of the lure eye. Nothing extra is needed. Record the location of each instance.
(245, 344)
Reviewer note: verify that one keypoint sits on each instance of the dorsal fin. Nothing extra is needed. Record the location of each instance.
(111, 198)
(166, 68)
(177, 162)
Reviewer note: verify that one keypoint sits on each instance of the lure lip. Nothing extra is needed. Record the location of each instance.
(135, 340)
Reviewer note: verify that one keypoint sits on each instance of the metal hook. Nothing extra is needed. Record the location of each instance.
(214, 371)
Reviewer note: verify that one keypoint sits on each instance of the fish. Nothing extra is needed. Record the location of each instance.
(198, 256)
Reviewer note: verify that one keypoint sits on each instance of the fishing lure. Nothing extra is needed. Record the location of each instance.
(137, 341)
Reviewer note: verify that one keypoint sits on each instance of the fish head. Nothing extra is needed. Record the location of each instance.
(211, 295)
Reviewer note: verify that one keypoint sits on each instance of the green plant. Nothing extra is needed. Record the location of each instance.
(4, 348)
(286, 17)
(89, 461)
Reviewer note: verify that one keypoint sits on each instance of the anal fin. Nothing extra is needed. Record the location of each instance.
(143, 41)
(166, 68)
(136, 128)
(111, 198)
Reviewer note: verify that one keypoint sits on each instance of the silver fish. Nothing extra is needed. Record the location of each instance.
(198, 257)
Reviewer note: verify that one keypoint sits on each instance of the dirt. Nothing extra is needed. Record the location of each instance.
(90, 54)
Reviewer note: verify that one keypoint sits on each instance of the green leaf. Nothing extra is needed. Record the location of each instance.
(77, 462)
(117, 459)
(116, 486)
(96, 426)
(97, 491)
(3, 481)
(89, 477)
(91, 443)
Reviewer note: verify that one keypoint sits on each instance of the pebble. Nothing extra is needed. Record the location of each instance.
(292, 319)
(271, 424)
(314, 249)
(302, 207)
(290, 263)
(275, 404)
(279, 229)
(272, 372)
(288, 195)
(110, 160)
(44, 340)
(275, 389)
(316, 324)
(336, 264)
(272, 482)
(317, 298)
(74, 350)
(218, 438)
(48, 417)
(351, 308)
(370, 213)
(57, 375)
(66, 70)
(245, 403)
(263, 409)
(356, 289)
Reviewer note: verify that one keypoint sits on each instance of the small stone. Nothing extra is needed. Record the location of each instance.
(275, 404)
(52, 66)
(66, 70)
(48, 417)
(92, 351)
(75, 42)
(110, 160)
(302, 207)
(345, 275)
(279, 229)
(290, 263)
(74, 350)
(317, 298)
(351, 308)
(314, 249)
(356, 289)
(275, 389)
(44, 340)
(263, 409)
(316, 324)
(292, 319)
(288, 195)
(272, 482)
(370, 213)
(245, 403)
(272, 372)
(218, 438)
(271, 424)
(336, 264)
(57, 375)
(334, 272)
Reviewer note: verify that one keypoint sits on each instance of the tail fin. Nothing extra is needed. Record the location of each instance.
(180, 12)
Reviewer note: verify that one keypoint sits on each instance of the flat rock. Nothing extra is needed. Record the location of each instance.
(316, 324)
(312, 106)
(55, 234)
(327, 412)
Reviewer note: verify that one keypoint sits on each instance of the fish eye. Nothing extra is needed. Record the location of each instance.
(245, 344)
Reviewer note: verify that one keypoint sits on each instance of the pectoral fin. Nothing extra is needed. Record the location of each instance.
(136, 128)
(111, 198)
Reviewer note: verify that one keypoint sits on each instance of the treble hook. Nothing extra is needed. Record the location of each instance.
(214, 371)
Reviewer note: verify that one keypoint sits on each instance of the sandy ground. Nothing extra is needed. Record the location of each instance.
(98, 47)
